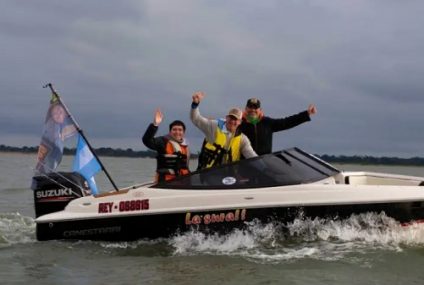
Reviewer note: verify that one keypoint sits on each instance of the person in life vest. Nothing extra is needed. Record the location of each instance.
(259, 128)
(172, 150)
(224, 143)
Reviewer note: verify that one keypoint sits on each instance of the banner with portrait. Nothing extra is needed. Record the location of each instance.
(58, 127)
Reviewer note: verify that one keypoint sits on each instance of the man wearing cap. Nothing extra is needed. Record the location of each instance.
(224, 143)
(259, 128)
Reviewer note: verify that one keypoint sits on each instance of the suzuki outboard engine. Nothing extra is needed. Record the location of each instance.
(53, 191)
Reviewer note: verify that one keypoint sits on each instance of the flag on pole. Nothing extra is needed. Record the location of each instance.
(86, 164)
(58, 126)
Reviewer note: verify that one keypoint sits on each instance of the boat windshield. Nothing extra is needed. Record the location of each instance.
(287, 167)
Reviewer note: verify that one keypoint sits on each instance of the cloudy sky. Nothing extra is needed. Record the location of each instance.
(360, 62)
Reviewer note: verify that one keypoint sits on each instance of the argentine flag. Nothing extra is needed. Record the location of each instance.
(86, 164)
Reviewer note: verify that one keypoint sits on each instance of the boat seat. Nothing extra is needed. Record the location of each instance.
(376, 180)
(111, 193)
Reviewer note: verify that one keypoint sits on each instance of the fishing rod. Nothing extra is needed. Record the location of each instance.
(80, 131)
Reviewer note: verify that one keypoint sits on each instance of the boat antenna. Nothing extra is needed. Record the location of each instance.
(80, 131)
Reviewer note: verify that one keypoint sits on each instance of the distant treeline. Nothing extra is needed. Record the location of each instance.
(103, 151)
(342, 159)
(356, 159)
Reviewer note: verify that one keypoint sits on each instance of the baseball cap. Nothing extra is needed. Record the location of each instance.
(236, 113)
(253, 103)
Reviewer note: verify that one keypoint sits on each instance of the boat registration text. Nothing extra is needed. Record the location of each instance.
(124, 206)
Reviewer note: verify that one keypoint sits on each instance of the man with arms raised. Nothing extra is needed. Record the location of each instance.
(259, 128)
(173, 153)
(224, 143)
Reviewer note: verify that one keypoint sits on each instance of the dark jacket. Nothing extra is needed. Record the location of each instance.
(169, 163)
(154, 143)
(260, 135)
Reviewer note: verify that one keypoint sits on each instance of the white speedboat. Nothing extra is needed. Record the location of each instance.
(276, 187)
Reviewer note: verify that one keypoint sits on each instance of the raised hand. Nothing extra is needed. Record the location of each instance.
(158, 117)
(198, 96)
(312, 110)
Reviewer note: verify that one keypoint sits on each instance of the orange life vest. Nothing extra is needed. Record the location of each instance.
(172, 163)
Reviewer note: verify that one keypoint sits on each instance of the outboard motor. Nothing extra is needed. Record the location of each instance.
(53, 191)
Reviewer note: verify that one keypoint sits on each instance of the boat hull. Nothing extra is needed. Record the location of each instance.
(149, 226)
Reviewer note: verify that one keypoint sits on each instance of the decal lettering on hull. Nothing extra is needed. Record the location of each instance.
(89, 232)
(211, 218)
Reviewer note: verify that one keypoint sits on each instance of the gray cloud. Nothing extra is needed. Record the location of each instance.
(360, 62)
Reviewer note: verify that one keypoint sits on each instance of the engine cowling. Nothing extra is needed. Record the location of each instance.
(52, 192)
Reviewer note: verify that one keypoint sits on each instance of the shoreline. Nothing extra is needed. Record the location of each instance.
(342, 159)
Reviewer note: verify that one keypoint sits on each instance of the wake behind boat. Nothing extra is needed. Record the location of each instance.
(282, 186)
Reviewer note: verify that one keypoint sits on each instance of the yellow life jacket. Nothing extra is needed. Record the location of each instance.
(214, 154)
